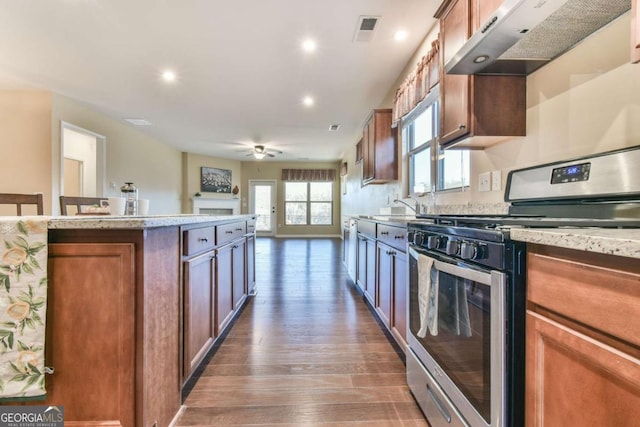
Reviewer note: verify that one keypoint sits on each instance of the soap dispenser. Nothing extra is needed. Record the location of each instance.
(130, 194)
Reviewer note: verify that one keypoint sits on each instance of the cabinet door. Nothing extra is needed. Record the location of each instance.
(224, 287)
(370, 281)
(384, 277)
(238, 276)
(368, 140)
(635, 31)
(199, 310)
(251, 265)
(573, 379)
(399, 320)
(361, 266)
(91, 332)
(454, 92)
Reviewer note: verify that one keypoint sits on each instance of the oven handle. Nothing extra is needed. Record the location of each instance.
(469, 273)
(439, 405)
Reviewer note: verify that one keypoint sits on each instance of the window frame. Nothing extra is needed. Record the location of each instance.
(437, 170)
(309, 203)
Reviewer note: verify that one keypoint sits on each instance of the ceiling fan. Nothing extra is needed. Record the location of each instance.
(259, 151)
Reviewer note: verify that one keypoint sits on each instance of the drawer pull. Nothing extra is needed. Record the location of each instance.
(229, 231)
(398, 237)
(384, 233)
(238, 229)
(203, 239)
(439, 404)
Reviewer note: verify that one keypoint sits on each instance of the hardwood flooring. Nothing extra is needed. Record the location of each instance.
(306, 350)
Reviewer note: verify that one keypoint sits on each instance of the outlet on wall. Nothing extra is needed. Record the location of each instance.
(484, 181)
(496, 180)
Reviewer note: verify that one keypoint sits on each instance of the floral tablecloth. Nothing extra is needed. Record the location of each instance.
(23, 306)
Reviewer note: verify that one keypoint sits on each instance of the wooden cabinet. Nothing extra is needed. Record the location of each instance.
(218, 271)
(224, 287)
(635, 31)
(199, 310)
(483, 107)
(583, 338)
(239, 276)
(392, 289)
(113, 326)
(379, 149)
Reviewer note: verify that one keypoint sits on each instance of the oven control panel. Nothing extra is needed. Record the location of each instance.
(463, 248)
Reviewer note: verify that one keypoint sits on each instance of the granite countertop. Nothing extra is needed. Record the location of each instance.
(136, 222)
(613, 241)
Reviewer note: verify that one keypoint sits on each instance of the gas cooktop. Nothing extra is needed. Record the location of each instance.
(502, 221)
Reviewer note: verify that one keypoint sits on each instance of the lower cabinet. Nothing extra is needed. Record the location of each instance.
(218, 271)
(392, 290)
(366, 267)
(199, 309)
(583, 336)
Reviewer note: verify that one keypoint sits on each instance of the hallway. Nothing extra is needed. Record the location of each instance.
(306, 350)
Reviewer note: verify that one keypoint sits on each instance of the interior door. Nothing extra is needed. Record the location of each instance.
(262, 203)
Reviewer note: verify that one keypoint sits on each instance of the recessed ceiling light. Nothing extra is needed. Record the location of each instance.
(168, 76)
(400, 35)
(309, 45)
(308, 101)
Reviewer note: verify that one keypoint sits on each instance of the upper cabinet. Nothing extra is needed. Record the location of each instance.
(635, 32)
(475, 110)
(379, 149)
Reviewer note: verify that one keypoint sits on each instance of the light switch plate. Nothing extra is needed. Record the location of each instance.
(496, 180)
(484, 181)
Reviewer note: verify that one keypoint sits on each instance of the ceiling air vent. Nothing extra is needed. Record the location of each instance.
(334, 127)
(366, 28)
(138, 122)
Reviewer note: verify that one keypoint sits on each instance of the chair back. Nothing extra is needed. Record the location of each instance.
(23, 199)
(78, 202)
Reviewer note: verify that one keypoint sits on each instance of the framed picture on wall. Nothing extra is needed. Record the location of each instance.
(214, 180)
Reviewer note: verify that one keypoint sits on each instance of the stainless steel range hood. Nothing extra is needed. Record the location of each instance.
(523, 35)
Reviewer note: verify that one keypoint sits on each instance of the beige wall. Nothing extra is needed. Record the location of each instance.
(191, 164)
(25, 141)
(272, 171)
(581, 103)
(153, 166)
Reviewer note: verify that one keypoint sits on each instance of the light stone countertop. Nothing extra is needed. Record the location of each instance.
(136, 222)
(613, 241)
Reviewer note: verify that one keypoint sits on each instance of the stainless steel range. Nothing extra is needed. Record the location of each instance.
(466, 317)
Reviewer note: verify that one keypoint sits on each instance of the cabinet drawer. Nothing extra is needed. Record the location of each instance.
(228, 232)
(604, 297)
(199, 239)
(367, 228)
(393, 236)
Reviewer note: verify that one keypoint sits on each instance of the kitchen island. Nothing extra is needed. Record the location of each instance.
(119, 313)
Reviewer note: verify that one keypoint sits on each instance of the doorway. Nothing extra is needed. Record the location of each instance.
(262, 203)
(83, 162)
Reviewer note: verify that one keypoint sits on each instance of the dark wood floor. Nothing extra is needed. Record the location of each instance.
(305, 351)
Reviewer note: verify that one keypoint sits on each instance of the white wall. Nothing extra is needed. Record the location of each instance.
(81, 147)
(154, 167)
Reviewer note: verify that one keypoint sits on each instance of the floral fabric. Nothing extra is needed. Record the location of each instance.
(23, 306)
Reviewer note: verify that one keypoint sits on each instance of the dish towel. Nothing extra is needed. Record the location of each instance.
(427, 296)
(23, 307)
(454, 307)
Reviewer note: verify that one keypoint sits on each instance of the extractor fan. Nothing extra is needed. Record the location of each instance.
(259, 151)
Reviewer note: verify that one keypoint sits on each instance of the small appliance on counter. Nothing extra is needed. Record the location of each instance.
(130, 193)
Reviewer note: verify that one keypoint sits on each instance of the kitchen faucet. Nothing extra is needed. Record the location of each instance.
(417, 209)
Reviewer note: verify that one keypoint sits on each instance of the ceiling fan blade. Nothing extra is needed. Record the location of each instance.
(270, 155)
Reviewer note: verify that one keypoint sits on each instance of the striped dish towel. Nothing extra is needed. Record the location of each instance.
(23, 306)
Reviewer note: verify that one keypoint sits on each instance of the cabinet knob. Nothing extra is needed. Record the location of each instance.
(461, 127)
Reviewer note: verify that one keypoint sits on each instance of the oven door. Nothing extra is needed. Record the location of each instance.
(456, 323)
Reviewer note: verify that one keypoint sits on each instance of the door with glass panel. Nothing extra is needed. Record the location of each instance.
(262, 203)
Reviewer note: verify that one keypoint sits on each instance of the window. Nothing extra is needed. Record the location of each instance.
(430, 167)
(308, 203)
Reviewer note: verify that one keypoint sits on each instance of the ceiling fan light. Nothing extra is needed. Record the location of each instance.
(259, 155)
